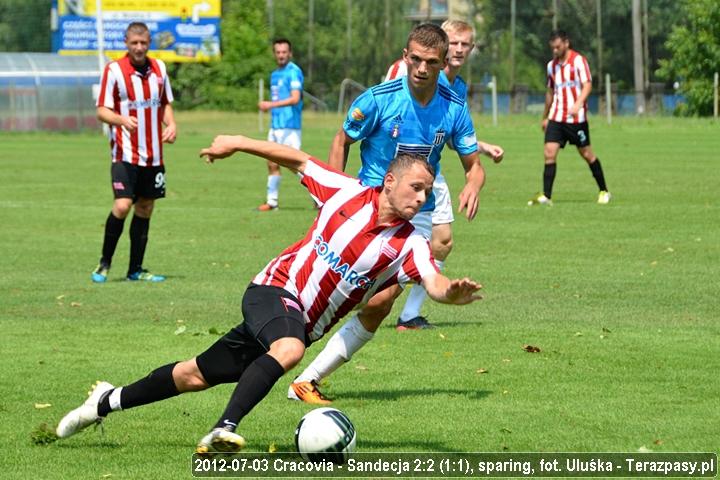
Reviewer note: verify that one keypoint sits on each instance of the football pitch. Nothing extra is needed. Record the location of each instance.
(621, 300)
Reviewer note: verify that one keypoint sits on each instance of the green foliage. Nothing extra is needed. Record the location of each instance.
(694, 46)
(25, 25)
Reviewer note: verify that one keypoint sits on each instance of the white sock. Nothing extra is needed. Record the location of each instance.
(339, 349)
(273, 189)
(415, 299)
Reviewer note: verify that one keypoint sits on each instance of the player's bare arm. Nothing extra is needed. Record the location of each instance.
(454, 292)
(170, 131)
(474, 181)
(584, 93)
(339, 150)
(546, 111)
(106, 115)
(224, 146)
(293, 99)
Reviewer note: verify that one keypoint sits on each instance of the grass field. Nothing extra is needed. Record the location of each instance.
(621, 299)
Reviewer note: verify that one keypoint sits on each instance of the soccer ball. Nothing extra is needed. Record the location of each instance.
(325, 434)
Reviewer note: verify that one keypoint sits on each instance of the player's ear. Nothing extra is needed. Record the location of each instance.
(405, 54)
(389, 181)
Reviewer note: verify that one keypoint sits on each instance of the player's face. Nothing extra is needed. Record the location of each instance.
(137, 45)
(559, 48)
(423, 65)
(282, 53)
(461, 45)
(409, 190)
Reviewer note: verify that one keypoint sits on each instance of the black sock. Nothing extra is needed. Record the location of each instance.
(113, 230)
(549, 178)
(158, 385)
(597, 172)
(254, 385)
(138, 241)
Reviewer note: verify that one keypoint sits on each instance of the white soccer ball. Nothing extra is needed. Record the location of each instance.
(325, 434)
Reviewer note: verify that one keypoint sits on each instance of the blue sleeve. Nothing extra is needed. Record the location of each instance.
(296, 79)
(464, 139)
(362, 117)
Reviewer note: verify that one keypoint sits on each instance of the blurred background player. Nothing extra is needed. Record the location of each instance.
(412, 114)
(461, 41)
(286, 87)
(565, 116)
(135, 97)
(292, 302)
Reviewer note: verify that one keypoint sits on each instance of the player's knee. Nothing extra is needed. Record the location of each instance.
(144, 209)
(121, 208)
(442, 247)
(287, 351)
(188, 378)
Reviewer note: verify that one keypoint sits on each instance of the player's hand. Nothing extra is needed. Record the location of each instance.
(169, 133)
(469, 201)
(494, 151)
(463, 291)
(264, 105)
(222, 147)
(543, 124)
(129, 123)
(574, 109)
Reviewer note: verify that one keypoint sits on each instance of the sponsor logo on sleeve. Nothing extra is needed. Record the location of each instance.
(469, 140)
(357, 115)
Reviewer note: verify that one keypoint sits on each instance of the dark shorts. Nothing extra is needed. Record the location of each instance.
(577, 134)
(269, 314)
(133, 181)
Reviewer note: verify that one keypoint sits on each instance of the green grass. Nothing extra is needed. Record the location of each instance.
(621, 299)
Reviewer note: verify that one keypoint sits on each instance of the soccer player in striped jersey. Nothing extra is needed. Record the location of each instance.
(417, 114)
(286, 88)
(361, 242)
(135, 97)
(565, 116)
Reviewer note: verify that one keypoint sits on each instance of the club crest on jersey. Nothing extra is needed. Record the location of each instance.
(395, 132)
(357, 115)
(439, 137)
(339, 266)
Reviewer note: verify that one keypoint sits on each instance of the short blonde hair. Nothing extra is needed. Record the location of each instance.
(458, 26)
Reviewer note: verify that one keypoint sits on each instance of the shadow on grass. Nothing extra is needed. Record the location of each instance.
(398, 394)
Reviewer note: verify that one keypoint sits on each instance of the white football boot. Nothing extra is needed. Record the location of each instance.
(86, 414)
(219, 440)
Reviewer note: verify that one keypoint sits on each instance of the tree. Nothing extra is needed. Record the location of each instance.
(25, 25)
(694, 46)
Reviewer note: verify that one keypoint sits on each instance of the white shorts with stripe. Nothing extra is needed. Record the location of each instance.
(291, 137)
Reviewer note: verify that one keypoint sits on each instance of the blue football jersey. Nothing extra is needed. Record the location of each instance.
(389, 121)
(282, 82)
(458, 86)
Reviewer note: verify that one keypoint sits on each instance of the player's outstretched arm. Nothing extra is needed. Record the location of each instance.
(456, 292)
(224, 146)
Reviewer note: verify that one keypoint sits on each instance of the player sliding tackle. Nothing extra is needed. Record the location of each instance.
(360, 243)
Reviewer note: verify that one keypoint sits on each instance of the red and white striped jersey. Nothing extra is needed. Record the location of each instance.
(127, 92)
(345, 257)
(396, 70)
(567, 79)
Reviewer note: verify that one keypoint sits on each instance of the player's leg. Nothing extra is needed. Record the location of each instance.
(150, 186)
(586, 152)
(122, 178)
(351, 337)
(274, 321)
(555, 139)
(274, 176)
(440, 244)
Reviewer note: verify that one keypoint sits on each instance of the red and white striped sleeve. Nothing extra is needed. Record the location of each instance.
(167, 96)
(550, 73)
(323, 181)
(107, 86)
(583, 69)
(419, 262)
